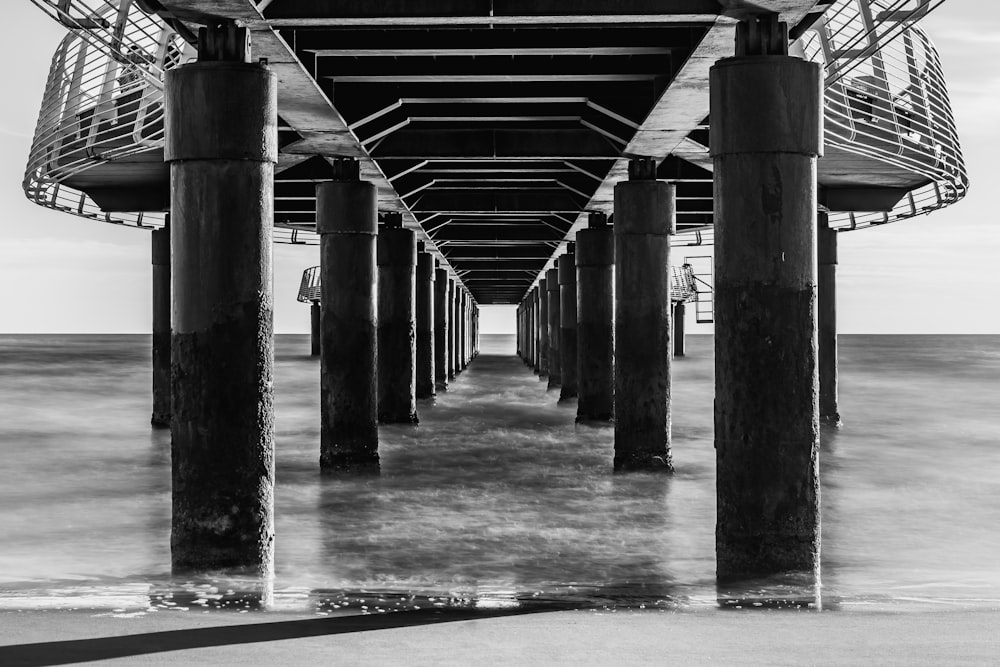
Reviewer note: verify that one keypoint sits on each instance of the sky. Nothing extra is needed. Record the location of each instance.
(932, 274)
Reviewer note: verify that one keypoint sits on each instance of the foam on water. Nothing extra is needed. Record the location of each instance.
(496, 498)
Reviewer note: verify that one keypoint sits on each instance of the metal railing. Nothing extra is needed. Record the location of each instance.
(310, 289)
(886, 100)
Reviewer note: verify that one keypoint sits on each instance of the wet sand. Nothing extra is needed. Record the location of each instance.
(566, 637)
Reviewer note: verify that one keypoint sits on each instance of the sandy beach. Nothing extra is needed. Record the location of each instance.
(564, 637)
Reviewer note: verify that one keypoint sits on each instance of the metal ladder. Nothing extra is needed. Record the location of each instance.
(701, 270)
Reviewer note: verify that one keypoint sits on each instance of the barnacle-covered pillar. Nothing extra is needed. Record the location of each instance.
(161, 325)
(347, 223)
(397, 324)
(595, 282)
(221, 142)
(643, 223)
(766, 135)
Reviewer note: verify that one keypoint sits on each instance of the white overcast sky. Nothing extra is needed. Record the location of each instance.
(934, 274)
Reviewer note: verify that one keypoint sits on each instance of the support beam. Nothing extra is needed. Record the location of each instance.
(566, 266)
(397, 325)
(829, 408)
(595, 269)
(161, 325)
(442, 328)
(766, 136)
(644, 221)
(680, 339)
(347, 222)
(554, 327)
(222, 354)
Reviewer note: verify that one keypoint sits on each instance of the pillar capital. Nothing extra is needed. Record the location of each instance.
(221, 110)
(597, 219)
(762, 35)
(786, 95)
(346, 207)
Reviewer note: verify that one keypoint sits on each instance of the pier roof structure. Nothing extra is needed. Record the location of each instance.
(494, 126)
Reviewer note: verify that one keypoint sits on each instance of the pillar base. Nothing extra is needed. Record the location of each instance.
(595, 420)
(643, 462)
(832, 421)
(349, 463)
(399, 419)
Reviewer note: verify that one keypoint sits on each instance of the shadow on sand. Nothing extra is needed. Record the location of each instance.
(107, 648)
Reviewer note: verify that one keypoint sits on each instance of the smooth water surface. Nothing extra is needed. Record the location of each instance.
(497, 494)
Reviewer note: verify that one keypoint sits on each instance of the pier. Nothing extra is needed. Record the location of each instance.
(564, 159)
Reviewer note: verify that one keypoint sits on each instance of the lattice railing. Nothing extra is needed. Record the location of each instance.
(310, 289)
(886, 99)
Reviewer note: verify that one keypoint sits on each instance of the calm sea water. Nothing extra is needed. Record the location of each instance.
(496, 495)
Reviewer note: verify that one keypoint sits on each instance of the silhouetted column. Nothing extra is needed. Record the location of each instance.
(315, 334)
(543, 328)
(347, 222)
(221, 142)
(829, 408)
(425, 325)
(161, 325)
(536, 320)
(442, 328)
(453, 369)
(552, 294)
(397, 325)
(680, 339)
(567, 321)
(529, 330)
(766, 136)
(595, 274)
(644, 221)
(520, 329)
(463, 338)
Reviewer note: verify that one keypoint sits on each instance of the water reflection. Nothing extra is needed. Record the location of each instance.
(497, 497)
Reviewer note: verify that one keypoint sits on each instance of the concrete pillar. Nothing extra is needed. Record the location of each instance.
(347, 222)
(221, 143)
(644, 220)
(397, 324)
(829, 403)
(566, 266)
(680, 339)
(530, 331)
(536, 331)
(453, 368)
(543, 328)
(161, 325)
(552, 294)
(463, 331)
(425, 325)
(442, 328)
(315, 334)
(595, 309)
(766, 136)
(518, 326)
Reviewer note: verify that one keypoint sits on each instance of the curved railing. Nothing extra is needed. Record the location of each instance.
(309, 288)
(886, 100)
(683, 285)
